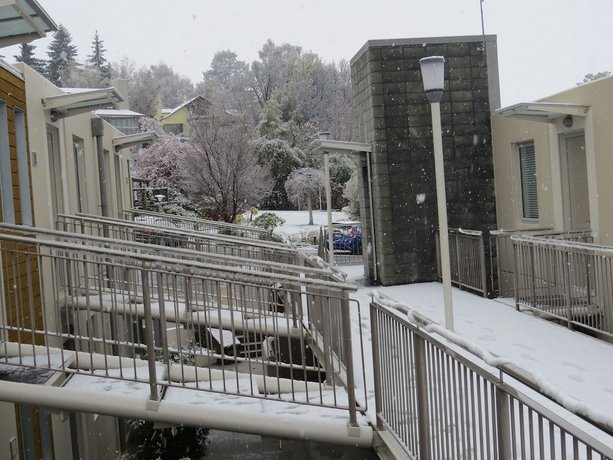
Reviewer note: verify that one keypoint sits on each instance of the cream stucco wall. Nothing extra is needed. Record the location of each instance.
(8, 428)
(38, 88)
(598, 127)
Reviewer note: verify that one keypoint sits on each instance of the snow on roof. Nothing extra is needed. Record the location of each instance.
(176, 109)
(79, 90)
(117, 113)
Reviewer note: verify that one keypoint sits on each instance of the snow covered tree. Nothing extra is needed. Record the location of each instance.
(282, 159)
(303, 185)
(352, 194)
(227, 85)
(594, 76)
(97, 60)
(62, 54)
(222, 172)
(160, 162)
(154, 85)
(275, 68)
(26, 55)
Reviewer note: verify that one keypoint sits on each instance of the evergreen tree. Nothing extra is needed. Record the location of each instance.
(26, 55)
(62, 54)
(97, 60)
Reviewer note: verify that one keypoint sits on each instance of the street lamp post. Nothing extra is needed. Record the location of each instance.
(432, 71)
(326, 136)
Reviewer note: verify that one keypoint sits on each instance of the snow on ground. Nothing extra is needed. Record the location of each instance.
(574, 367)
(296, 223)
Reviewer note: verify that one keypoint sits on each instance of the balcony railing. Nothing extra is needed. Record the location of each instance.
(93, 307)
(502, 256)
(467, 260)
(179, 237)
(440, 402)
(568, 280)
(200, 225)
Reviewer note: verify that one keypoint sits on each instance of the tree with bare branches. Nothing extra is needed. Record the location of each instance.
(302, 185)
(221, 169)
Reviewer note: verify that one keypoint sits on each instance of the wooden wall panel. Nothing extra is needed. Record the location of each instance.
(21, 277)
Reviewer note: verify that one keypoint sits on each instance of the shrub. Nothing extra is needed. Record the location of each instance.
(268, 221)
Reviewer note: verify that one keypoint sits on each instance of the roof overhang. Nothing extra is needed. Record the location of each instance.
(546, 112)
(339, 146)
(130, 140)
(22, 21)
(67, 105)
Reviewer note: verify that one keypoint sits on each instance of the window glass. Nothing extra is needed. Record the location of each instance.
(23, 167)
(81, 178)
(529, 195)
(6, 179)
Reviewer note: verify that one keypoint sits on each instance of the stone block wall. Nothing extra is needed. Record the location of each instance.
(390, 111)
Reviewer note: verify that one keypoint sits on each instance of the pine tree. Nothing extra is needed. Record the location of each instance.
(97, 59)
(62, 54)
(26, 55)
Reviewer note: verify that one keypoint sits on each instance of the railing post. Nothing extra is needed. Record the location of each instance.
(149, 336)
(458, 259)
(163, 328)
(421, 383)
(516, 249)
(483, 267)
(503, 423)
(567, 284)
(376, 364)
(348, 352)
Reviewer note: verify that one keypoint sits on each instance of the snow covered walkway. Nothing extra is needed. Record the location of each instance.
(573, 365)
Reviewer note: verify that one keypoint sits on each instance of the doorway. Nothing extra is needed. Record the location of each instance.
(575, 182)
(55, 171)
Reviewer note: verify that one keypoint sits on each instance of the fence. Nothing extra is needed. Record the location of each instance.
(502, 271)
(466, 259)
(200, 225)
(170, 323)
(568, 280)
(439, 404)
(194, 240)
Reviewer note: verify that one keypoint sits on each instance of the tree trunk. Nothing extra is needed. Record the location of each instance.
(310, 210)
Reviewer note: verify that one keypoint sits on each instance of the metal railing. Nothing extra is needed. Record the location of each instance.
(502, 257)
(568, 280)
(111, 312)
(439, 404)
(466, 258)
(303, 266)
(193, 240)
(200, 225)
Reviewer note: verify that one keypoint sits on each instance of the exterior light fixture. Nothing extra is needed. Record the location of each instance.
(433, 75)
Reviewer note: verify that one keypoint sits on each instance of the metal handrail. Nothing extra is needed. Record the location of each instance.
(439, 403)
(92, 297)
(195, 223)
(467, 260)
(568, 280)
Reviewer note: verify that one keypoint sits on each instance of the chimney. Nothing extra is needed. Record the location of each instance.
(121, 85)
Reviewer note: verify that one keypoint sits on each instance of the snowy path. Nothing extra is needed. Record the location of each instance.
(575, 364)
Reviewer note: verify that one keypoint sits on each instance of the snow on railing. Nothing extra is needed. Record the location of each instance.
(448, 385)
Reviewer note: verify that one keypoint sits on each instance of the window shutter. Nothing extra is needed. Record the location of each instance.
(527, 164)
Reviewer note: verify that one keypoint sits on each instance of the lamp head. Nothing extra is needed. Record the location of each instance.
(433, 75)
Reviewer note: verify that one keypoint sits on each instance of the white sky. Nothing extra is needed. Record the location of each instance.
(544, 46)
